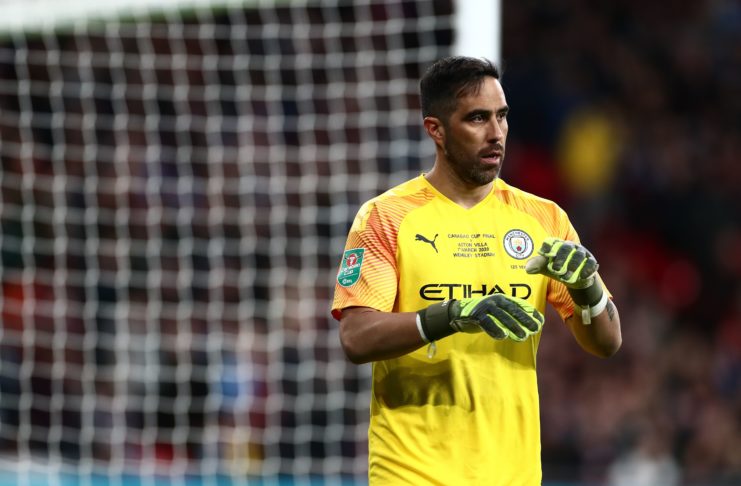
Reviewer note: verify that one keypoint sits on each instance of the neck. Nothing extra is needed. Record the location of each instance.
(447, 182)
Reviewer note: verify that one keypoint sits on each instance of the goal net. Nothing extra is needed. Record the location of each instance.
(175, 191)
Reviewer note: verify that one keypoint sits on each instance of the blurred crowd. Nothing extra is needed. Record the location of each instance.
(628, 114)
(175, 194)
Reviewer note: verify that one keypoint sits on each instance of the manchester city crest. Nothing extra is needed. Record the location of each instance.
(518, 244)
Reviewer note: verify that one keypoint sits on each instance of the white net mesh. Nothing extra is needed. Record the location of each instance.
(175, 193)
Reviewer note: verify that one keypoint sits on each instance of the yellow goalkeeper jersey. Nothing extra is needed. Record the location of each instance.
(469, 414)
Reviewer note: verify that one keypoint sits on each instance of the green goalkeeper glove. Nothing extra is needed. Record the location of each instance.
(499, 315)
(575, 267)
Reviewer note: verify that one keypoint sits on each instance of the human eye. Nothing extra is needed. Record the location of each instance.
(478, 117)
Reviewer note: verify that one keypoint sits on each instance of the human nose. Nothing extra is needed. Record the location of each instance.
(495, 132)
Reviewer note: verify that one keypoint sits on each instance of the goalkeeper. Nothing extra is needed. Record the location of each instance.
(442, 286)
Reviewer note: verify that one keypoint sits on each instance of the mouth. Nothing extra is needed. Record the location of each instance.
(492, 157)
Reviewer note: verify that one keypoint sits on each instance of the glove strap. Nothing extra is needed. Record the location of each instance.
(589, 296)
(421, 329)
(433, 322)
(588, 312)
(591, 301)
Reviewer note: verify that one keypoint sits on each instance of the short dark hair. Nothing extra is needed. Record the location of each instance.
(450, 78)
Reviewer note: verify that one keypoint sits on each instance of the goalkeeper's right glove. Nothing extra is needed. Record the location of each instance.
(499, 315)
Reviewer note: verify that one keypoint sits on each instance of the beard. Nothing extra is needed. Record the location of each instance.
(469, 168)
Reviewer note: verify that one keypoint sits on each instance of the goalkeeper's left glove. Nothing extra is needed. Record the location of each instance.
(575, 267)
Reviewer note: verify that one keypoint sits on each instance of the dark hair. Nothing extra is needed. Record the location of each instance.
(450, 78)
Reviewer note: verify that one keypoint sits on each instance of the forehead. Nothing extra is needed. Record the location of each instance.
(488, 96)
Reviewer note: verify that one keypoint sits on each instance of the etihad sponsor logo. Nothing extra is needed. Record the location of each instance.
(445, 291)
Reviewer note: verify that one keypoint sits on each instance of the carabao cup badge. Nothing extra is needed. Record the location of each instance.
(349, 272)
(518, 244)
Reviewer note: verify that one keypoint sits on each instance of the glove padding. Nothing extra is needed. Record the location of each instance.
(565, 261)
(499, 315)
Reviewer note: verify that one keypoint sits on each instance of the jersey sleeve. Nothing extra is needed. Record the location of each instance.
(368, 275)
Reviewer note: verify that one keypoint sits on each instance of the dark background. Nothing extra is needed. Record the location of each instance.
(627, 114)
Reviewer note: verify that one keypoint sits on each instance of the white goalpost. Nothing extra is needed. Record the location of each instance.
(478, 29)
(176, 183)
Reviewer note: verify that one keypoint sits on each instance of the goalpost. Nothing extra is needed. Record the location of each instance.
(177, 180)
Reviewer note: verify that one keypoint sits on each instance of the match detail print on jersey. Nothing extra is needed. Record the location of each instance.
(472, 245)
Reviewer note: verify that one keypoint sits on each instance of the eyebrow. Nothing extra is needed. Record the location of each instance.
(487, 113)
(477, 112)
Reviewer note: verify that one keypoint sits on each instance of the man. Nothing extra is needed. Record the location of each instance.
(441, 287)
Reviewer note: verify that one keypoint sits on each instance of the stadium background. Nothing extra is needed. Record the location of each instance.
(176, 188)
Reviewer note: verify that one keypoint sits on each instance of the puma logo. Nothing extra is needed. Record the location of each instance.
(431, 242)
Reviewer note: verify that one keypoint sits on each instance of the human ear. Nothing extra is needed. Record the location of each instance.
(434, 128)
